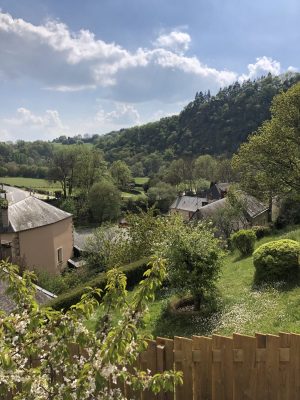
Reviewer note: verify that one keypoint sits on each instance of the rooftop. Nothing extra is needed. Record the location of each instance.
(188, 203)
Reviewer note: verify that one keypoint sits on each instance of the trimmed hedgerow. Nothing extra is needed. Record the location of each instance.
(243, 241)
(277, 261)
(134, 273)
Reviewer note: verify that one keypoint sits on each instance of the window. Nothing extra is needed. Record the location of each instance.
(60, 255)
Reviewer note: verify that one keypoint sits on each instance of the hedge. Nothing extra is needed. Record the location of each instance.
(134, 273)
(243, 241)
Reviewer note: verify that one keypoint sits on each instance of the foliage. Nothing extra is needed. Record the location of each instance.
(261, 231)
(229, 218)
(69, 205)
(208, 125)
(194, 260)
(133, 271)
(269, 163)
(103, 249)
(276, 261)
(104, 201)
(289, 211)
(162, 195)
(32, 331)
(243, 241)
(121, 173)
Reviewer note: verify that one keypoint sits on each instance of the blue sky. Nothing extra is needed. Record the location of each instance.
(73, 66)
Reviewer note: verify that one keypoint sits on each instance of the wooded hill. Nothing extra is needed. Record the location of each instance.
(214, 125)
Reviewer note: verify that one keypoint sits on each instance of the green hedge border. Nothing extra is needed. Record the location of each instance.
(134, 273)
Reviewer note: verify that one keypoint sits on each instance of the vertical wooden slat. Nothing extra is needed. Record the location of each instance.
(168, 362)
(222, 368)
(284, 366)
(129, 392)
(261, 386)
(272, 367)
(149, 362)
(244, 367)
(294, 367)
(183, 362)
(202, 360)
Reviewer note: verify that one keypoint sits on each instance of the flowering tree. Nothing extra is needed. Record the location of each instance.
(33, 332)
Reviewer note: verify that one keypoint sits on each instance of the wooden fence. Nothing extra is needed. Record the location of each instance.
(264, 367)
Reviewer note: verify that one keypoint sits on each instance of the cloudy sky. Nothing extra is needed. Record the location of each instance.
(77, 66)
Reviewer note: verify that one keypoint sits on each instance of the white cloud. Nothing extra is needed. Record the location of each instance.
(292, 69)
(176, 41)
(62, 60)
(263, 66)
(34, 126)
(123, 114)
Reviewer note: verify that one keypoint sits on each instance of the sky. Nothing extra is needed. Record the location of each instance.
(70, 67)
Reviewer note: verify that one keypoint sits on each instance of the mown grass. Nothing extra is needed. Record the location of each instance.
(33, 183)
(141, 180)
(242, 308)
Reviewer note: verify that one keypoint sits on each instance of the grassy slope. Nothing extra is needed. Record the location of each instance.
(31, 183)
(242, 308)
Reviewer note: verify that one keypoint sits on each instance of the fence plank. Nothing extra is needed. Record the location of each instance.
(272, 367)
(284, 367)
(244, 367)
(148, 361)
(168, 363)
(261, 386)
(222, 368)
(202, 368)
(294, 367)
(183, 362)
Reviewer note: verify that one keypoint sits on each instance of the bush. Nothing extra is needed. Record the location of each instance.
(276, 261)
(134, 273)
(261, 231)
(243, 241)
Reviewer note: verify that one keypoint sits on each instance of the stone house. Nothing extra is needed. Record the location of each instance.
(35, 235)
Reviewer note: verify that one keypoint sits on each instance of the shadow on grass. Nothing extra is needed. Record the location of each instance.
(282, 286)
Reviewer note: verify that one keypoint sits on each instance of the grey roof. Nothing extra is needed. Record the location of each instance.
(253, 206)
(33, 213)
(8, 305)
(223, 186)
(188, 203)
(14, 194)
(210, 209)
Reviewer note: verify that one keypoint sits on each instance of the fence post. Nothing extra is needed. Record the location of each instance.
(222, 368)
(165, 364)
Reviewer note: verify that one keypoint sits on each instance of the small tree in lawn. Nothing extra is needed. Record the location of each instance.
(46, 334)
(194, 259)
(104, 201)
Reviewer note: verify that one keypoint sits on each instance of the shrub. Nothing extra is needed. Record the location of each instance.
(261, 231)
(243, 241)
(134, 273)
(277, 260)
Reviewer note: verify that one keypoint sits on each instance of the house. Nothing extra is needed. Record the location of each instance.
(186, 206)
(255, 212)
(217, 191)
(8, 305)
(34, 234)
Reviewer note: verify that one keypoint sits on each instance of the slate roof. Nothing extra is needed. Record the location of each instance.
(32, 213)
(188, 203)
(254, 207)
(8, 305)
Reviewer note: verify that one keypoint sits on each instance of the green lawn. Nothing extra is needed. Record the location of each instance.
(241, 308)
(141, 180)
(32, 183)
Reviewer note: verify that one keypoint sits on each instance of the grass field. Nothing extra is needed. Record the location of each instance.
(242, 308)
(32, 183)
(141, 180)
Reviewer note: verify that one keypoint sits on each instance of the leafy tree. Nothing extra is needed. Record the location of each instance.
(121, 173)
(104, 201)
(33, 331)
(162, 195)
(269, 163)
(63, 167)
(206, 168)
(194, 260)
